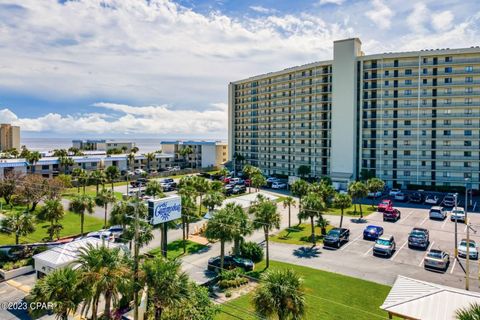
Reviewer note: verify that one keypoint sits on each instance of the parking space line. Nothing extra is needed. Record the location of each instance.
(444, 222)
(350, 242)
(369, 250)
(423, 221)
(454, 263)
(409, 214)
(465, 230)
(426, 252)
(397, 251)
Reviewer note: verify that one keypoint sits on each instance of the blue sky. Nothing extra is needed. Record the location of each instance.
(160, 68)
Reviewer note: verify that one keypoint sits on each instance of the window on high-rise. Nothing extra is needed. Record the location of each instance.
(448, 90)
(468, 122)
(408, 82)
(447, 122)
(467, 175)
(468, 79)
(447, 80)
(468, 69)
(448, 59)
(448, 69)
(447, 132)
(468, 100)
(467, 153)
(407, 122)
(407, 153)
(467, 143)
(446, 142)
(407, 133)
(387, 72)
(425, 71)
(408, 92)
(425, 81)
(467, 132)
(386, 83)
(447, 101)
(467, 164)
(469, 90)
(446, 163)
(408, 71)
(425, 60)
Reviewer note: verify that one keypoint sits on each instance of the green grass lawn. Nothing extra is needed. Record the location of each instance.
(328, 296)
(70, 223)
(72, 192)
(367, 209)
(175, 249)
(299, 234)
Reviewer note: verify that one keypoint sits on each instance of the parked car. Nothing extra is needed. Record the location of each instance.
(416, 197)
(139, 182)
(384, 205)
(170, 181)
(372, 232)
(401, 196)
(431, 199)
(457, 214)
(230, 262)
(336, 237)
(228, 189)
(101, 234)
(116, 231)
(384, 246)
(375, 195)
(436, 259)
(472, 250)
(248, 182)
(419, 238)
(449, 200)
(437, 212)
(394, 192)
(272, 179)
(279, 185)
(391, 214)
(238, 189)
(139, 171)
(166, 187)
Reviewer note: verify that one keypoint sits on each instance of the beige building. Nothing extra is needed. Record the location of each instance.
(410, 118)
(9, 137)
(103, 145)
(204, 153)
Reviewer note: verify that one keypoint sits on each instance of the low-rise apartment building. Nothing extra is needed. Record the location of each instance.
(103, 145)
(9, 137)
(204, 153)
(410, 118)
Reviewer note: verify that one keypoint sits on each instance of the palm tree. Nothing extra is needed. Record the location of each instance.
(186, 151)
(52, 211)
(98, 177)
(131, 160)
(313, 207)
(221, 226)
(266, 218)
(103, 199)
(299, 189)
(201, 186)
(213, 199)
(357, 190)
(342, 202)
(188, 194)
(112, 174)
(249, 171)
(150, 157)
(168, 286)
(289, 202)
(280, 292)
(323, 224)
(135, 149)
(32, 158)
(154, 189)
(79, 205)
(65, 161)
(76, 173)
(258, 180)
(83, 180)
(472, 312)
(103, 270)
(20, 223)
(60, 287)
(375, 185)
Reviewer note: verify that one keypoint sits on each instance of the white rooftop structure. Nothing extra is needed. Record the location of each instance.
(416, 299)
(66, 254)
(246, 200)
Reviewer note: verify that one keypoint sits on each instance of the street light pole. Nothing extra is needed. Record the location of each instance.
(467, 267)
(456, 233)
(466, 196)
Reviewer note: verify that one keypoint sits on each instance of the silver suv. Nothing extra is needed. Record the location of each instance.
(384, 246)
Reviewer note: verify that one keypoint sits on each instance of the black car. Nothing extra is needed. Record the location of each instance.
(419, 238)
(228, 189)
(229, 263)
(416, 197)
(449, 200)
(170, 181)
(238, 189)
(140, 182)
(336, 237)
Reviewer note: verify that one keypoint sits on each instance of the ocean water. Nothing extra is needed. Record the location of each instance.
(48, 144)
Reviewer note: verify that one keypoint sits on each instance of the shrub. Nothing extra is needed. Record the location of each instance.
(8, 266)
(231, 279)
(228, 294)
(252, 251)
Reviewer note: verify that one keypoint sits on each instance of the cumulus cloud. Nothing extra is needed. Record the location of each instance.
(337, 2)
(442, 21)
(261, 9)
(418, 17)
(380, 14)
(116, 119)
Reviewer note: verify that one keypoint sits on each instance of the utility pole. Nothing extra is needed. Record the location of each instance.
(466, 196)
(456, 234)
(135, 264)
(467, 267)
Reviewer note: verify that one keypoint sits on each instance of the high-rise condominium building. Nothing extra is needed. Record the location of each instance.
(409, 118)
(9, 137)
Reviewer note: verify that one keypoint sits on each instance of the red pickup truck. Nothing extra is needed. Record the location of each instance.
(384, 205)
(391, 214)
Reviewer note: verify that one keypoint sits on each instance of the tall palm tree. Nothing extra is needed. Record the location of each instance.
(375, 185)
(313, 207)
(20, 223)
(103, 199)
(213, 199)
(131, 160)
(135, 149)
(83, 179)
(299, 189)
(102, 270)
(60, 287)
(357, 190)
(79, 205)
(52, 211)
(150, 157)
(65, 161)
(342, 202)
(472, 312)
(249, 171)
(258, 180)
(32, 158)
(98, 177)
(289, 202)
(187, 193)
(266, 218)
(201, 186)
(76, 173)
(185, 152)
(243, 226)
(168, 286)
(112, 174)
(280, 292)
(221, 226)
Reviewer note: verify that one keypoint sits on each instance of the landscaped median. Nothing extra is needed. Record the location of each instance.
(299, 234)
(328, 296)
(175, 249)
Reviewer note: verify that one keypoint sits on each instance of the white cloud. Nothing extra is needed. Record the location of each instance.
(261, 9)
(442, 21)
(380, 14)
(337, 2)
(418, 17)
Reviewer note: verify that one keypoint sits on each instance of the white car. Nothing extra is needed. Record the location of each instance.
(457, 214)
(472, 250)
(437, 213)
(377, 194)
(394, 192)
(400, 196)
(272, 179)
(101, 234)
(279, 185)
(116, 231)
(431, 199)
(139, 171)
